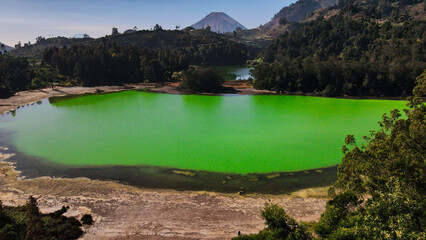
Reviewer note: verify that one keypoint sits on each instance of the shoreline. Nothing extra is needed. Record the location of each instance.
(122, 211)
(242, 87)
(161, 177)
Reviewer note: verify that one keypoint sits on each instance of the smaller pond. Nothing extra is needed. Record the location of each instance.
(230, 73)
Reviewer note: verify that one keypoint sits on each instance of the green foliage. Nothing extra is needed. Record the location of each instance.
(26, 222)
(110, 64)
(15, 75)
(396, 151)
(343, 56)
(389, 169)
(202, 80)
(36, 50)
(380, 189)
(279, 226)
(395, 10)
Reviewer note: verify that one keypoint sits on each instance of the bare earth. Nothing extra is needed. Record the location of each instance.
(125, 212)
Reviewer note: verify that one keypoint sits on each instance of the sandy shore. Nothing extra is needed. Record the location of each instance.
(125, 212)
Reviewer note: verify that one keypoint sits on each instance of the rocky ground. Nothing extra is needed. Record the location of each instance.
(125, 212)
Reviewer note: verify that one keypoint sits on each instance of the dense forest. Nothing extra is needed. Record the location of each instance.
(15, 75)
(380, 189)
(365, 48)
(26, 222)
(110, 63)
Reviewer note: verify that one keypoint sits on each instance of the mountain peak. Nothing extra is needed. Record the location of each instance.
(219, 22)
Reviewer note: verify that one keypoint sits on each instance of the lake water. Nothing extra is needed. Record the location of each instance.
(229, 134)
(235, 72)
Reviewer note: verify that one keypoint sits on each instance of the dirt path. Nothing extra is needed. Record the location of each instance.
(125, 212)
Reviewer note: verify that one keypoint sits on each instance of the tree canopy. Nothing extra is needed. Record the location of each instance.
(202, 80)
(26, 222)
(345, 56)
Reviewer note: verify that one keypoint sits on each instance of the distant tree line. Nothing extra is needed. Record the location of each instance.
(379, 9)
(108, 63)
(343, 56)
(15, 75)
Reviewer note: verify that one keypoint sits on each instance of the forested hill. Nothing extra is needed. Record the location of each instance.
(345, 54)
(296, 11)
(157, 39)
(140, 56)
(381, 10)
(36, 50)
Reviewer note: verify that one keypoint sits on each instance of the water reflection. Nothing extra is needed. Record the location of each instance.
(235, 72)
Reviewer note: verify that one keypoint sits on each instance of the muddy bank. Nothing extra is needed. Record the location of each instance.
(125, 212)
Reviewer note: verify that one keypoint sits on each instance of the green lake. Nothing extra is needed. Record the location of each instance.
(225, 134)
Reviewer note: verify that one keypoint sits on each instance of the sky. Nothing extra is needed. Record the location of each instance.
(24, 20)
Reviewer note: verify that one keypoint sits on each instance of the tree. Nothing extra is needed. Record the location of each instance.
(87, 219)
(158, 27)
(86, 36)
(283, 21)
(389, 168)
(202, 80)
(341, 55)
(35, 229)
(380, 189)
(40, 39)
(279, 226)
(114, 31)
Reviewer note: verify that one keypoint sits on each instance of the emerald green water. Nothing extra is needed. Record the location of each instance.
(234, 134)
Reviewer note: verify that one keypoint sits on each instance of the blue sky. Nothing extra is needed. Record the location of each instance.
(24, 20)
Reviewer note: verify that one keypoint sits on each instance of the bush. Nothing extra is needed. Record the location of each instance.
(202, 80)
(87, 219)
(280, 226)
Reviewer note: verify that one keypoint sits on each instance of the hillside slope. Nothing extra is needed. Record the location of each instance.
(36, 49)
(296, 11)
(156, 40)
(365, 48)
